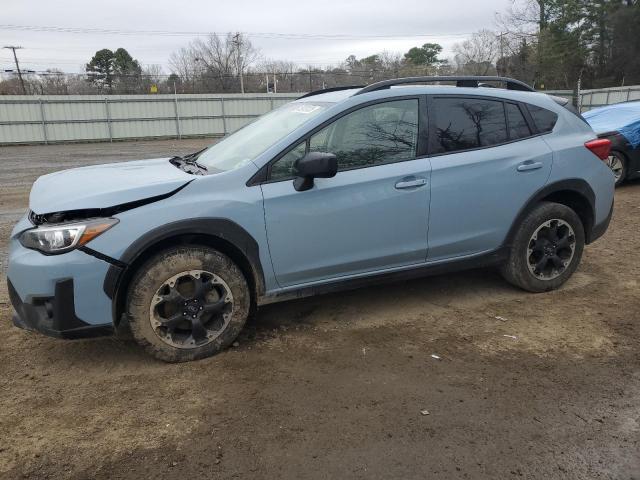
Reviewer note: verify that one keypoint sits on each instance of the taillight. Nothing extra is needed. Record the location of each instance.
(600, 147)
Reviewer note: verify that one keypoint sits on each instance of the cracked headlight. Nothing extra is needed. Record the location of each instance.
(61, 238)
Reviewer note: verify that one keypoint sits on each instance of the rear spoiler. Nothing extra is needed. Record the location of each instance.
(564, 102)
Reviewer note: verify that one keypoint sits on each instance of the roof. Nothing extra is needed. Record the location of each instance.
(331, 97)
(349, 96)
(461, 81)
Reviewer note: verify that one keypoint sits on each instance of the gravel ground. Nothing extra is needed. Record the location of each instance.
(535, 386)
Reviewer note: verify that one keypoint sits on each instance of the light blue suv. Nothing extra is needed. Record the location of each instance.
(334, 190)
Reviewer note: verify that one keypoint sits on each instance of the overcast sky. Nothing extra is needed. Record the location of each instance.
(366, 27)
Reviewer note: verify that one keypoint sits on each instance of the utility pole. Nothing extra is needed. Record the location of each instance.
(578, 95)
(501, 35)
(15, 57)
(237, 41)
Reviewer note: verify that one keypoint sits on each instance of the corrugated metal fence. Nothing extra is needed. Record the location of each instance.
(602, 96)
(73, 118)
(77, 118)
(607, 96)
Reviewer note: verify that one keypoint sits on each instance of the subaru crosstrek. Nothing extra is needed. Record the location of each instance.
(336, 189)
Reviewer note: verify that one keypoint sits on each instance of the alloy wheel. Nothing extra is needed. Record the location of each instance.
(550, 249)
(191, 309)
(615, 164)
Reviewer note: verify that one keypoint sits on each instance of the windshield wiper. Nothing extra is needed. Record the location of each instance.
(195, 155)
(189, 164)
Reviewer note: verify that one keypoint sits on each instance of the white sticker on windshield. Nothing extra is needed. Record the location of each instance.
(305, 108)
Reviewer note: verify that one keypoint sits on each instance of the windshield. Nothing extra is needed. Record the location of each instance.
(247, 143)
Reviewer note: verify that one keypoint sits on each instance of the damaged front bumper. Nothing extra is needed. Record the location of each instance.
(58, 295)
(54, 316)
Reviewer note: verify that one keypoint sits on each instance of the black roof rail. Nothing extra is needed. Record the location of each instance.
(461, 81)
(327, 90)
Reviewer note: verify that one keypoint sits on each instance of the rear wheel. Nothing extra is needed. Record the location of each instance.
(618, 165)
(547, 248)
(187, 303)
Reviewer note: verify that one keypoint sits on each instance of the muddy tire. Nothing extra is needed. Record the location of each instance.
(187, 303)
(546, 250)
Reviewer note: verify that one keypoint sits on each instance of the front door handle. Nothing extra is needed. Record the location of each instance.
(411, 182)
(526, 166)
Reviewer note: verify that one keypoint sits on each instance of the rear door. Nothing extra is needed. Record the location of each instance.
(372, 215)
(487, 161)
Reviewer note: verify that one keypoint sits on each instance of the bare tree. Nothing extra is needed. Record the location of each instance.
(391, 61)
(53, 82)
(215, 57)
(213, 63)
(182, 63)
(478, 54)
(151, 75)
(283, 72)
(525, 16)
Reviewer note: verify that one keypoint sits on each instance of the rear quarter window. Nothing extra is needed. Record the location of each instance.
(544, 119)
(464, 123)
(518, 127)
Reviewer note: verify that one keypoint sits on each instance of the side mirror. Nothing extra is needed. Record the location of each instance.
(314, 165)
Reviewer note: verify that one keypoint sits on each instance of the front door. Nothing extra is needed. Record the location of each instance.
(372, 215)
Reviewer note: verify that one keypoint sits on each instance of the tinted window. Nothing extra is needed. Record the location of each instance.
(464, 123)
(381, 133)
(544, 119)
(283, 168)
(518, 127)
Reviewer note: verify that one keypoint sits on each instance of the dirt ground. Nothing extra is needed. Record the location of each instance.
(533, 386)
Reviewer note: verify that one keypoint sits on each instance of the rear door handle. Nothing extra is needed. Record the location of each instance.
(411, 182)
(526, 166)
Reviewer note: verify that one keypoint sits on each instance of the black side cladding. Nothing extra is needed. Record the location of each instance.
(575, 186)
(197, 228)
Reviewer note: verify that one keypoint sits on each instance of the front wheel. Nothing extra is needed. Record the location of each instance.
(187, 303)
(547, 248)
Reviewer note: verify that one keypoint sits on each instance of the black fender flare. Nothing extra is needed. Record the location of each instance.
(216, 228)
(573, 185)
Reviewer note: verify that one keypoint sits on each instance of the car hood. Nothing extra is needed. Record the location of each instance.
(104, 186)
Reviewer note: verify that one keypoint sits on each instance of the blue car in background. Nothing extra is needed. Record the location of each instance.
(340, 188)
(619, 123)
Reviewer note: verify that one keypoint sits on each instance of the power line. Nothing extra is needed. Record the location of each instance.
(369, 72)
(68, 61)
(272, 35)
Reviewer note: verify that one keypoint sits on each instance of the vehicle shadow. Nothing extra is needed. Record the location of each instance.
(385, 300)
(456, 290)
(629, 184)
(387, 304)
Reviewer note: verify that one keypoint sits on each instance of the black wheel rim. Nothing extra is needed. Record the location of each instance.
(551, 249)
(191, 309)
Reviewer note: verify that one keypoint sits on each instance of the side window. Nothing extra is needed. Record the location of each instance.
(465, 123)
(381, 133)
(544, 119)
(283, 168)
(518, 127)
